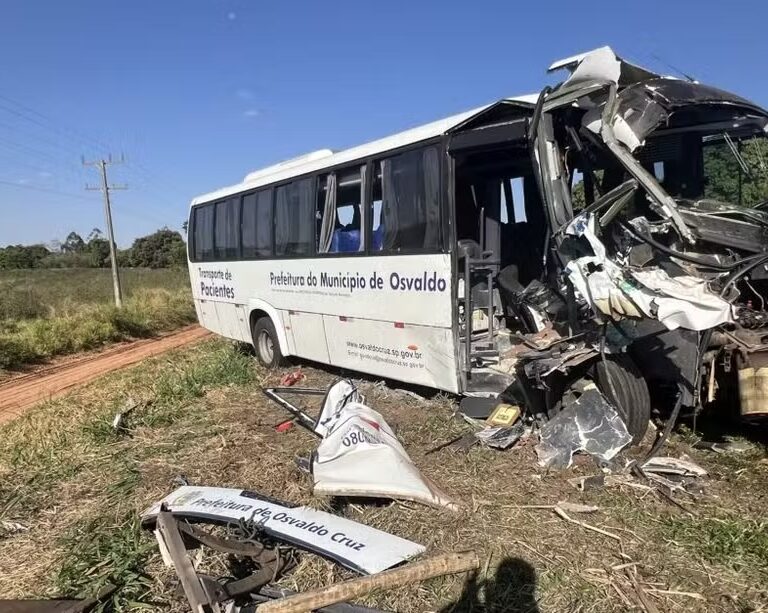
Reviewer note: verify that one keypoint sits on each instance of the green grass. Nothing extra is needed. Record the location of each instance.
(39, 456)
(734, 542)
(102, 551)
(45, 313)
(67, 448)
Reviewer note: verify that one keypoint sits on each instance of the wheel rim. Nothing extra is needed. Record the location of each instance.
(266, 347)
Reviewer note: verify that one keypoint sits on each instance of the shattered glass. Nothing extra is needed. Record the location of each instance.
(588, 424)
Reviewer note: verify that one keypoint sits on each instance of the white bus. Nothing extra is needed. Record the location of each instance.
(529, 243)
(345, 258)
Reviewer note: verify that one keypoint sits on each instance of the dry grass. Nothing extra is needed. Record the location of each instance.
(78, 487)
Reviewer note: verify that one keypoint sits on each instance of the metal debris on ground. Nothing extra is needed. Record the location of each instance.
(265, 533)
(499, 437)
(300, 416)
(726, 446)
(682, 467)
(590, 424)
(349, 543)
(670, 475)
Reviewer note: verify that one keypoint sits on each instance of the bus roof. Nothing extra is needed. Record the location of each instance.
(324, 158)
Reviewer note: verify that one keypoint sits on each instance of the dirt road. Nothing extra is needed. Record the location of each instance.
(20, 393)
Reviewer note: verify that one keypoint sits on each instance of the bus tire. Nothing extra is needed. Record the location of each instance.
(619, 374)
(620, 381)
(266, 344)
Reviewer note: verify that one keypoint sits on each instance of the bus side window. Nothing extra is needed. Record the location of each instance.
(340, 204)
(295, 218)
(202, 233)
(405, 210)
(377, 228)
(227, 229)
(256, 225)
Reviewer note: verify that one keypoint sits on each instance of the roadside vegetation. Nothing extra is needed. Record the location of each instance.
(46, 313)
(57, 298)
(72, 490)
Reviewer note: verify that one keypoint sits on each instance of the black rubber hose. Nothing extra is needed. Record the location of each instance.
(682, 256)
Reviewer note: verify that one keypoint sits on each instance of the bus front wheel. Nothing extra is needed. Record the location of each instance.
(266, 344)
(619, 380)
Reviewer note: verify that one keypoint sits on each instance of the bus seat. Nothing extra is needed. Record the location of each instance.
(377, 238)
(345, 241)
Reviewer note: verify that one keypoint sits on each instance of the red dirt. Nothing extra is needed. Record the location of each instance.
(24, 391)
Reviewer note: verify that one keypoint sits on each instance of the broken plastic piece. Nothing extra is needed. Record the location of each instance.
(292, 378)
(587, 424)
(674, 466)
(500, 437)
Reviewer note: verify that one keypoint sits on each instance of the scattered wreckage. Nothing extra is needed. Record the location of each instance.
(359, 455)
(634, 271)
(265, 533)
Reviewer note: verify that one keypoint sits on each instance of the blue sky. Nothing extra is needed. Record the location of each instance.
(198, 93)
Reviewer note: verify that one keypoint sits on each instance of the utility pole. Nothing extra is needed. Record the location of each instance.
(105, 189)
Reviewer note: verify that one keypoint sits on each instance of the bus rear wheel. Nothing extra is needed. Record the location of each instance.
(265, 343)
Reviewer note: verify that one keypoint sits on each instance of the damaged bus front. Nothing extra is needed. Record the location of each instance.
(655, 193)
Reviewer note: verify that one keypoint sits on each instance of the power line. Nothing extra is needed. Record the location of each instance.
(51, 124)
(39, 188)
(25, 113)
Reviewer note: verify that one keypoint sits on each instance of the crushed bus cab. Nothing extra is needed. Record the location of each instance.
(611, 231)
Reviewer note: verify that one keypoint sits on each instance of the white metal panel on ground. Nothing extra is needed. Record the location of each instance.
(354, 545)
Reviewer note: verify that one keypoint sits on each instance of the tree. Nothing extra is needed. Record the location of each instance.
(23, 256)
(98, 250)
(74, 243)
(726, 180)
(163, 249)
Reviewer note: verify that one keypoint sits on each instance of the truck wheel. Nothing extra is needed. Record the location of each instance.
(620, 381)
(266, 344)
